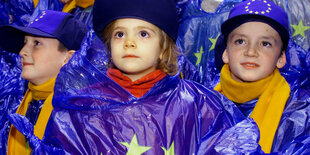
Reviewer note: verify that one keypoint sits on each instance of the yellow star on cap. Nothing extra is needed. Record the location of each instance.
(134, 148)
(300, 29)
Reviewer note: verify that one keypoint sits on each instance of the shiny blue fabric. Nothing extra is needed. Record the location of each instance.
(12, 89)
(93, 114)
(12, 86)
(197, 31)
(197, 27)
(84, 15)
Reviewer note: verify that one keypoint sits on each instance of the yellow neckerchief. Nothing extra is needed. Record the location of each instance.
(273, 92)
(16, 142)
(35, 3)
(69, 6)
(81, 3)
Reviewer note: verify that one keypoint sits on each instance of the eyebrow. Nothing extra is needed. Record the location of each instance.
(261, 37)
(139, 27)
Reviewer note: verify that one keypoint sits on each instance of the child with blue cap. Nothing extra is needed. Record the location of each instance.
(139, 105)
(45, 45)
(256, 34)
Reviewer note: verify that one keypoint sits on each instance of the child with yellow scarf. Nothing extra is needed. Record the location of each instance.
(256, 34)
(45, 45)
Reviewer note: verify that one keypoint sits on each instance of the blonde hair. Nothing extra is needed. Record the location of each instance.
(168, 59)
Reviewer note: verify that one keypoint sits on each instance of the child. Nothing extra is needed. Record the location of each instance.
(45, 45)
(139, 105)
(256, 35)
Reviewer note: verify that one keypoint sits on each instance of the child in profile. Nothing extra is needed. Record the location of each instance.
(45, 45)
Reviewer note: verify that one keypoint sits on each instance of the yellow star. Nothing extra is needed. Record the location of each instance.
(213, 41)
(199, 55)
(300, 29)
(134, 148)
(170, 151)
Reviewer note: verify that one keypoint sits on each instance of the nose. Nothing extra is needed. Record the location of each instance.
(130, 44)
(251, 52)
(24, 51)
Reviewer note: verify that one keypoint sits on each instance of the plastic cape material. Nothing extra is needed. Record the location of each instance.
(93, 115)
(12, 89)
(293, 134)
(19, 10)
(84, 15)
(198, 33)
(4, 16)
(12, 86)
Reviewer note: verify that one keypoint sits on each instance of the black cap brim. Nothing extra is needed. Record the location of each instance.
(12, 37)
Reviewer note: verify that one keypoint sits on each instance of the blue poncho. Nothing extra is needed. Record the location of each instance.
(93, 115)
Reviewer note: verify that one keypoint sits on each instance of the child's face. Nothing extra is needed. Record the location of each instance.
(41, 59)
(135, 47)
(253, 51)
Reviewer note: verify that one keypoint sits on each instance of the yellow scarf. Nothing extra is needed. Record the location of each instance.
(74, 3)
(16, 142)
(273, 92)
(35, 3)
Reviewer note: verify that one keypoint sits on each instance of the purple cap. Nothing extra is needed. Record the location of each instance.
(258, 10)
(51, 24)
(162, 13)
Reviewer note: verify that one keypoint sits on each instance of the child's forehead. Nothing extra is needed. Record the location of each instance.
(134, 22)
(256, 25)
(255, 28)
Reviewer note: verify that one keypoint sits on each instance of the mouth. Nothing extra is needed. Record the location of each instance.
(130, 56)
(27, 64)
(249, 65)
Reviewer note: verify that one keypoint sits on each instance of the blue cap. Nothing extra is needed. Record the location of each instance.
(162, 13)
(258, 10)
(51, 24)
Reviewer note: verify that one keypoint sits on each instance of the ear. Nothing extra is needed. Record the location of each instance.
(281, 60)
(225, 57)
(68, 56)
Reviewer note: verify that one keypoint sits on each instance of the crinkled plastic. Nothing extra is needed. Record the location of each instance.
(4, 16)
(298, 11)
(20, 11)
(93, 114)
(199, 29)
(12, 89)
(197, 35)
(84, 15)
(12, 86)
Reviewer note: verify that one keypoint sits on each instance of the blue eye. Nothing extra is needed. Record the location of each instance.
(119, 35)
(144, 34)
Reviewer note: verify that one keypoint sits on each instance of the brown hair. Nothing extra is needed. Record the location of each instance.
(168, 59)
(62, 47)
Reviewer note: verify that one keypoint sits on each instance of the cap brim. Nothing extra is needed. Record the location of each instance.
(12, 37)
